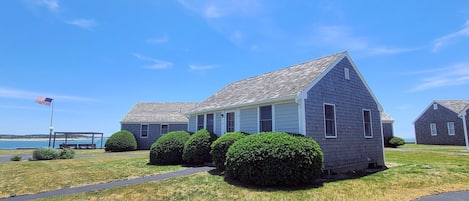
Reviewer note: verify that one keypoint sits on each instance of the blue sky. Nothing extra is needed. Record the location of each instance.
(98, 58)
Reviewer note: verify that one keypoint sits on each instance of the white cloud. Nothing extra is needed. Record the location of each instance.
(24, 94)
(447, 39)
(212, 11)
(454, 75)
(158, 40)
(201, 67)
(155, 63)
(52, 5)
(83, 23)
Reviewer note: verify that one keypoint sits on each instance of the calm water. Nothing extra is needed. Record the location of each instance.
(13, 144)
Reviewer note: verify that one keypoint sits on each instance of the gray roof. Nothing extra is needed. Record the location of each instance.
(454, 105)
(386, 118)
(285, 83)
(158, 113)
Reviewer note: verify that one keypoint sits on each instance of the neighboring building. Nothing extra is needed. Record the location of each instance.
(148, 121)
(388, 131)
(326, 99)
(442, 123)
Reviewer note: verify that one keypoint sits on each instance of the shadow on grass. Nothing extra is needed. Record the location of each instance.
(316, 184)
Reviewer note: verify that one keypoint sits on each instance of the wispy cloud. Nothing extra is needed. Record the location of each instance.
(447, 39)
(24, 94)
(52, 5)
(158, 40)
(454, 75)
(343, 37)
(213, 9)
(83, 23)
(155, 63)
(201, 67)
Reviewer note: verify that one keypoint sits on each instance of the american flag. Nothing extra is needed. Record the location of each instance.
(44, 100)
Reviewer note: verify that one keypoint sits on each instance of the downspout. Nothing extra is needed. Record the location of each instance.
(463, 117)
(382, 137)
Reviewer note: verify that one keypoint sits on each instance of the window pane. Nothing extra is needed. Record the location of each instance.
(329, 120)
(164, 129)
(265, 118)
(144, 130)
(230, 122)
(367, 123)
(200, 122)
(209, 122)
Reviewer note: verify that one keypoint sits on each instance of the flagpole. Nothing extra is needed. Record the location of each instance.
(51, 128)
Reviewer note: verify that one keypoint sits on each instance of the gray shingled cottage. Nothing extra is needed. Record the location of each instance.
(148, 121)
(388, 128)
(443, 122)
(326, 99)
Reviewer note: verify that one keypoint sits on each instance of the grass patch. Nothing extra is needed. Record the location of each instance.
(27, 177)
(412, 174)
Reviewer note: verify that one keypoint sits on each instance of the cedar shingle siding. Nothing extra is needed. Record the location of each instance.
(446, 111)
(350, 150)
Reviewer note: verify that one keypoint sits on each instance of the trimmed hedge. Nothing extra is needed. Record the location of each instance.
(274, 159)
(396, 142)
(121, 141)
(220, 146)
(168, 149)
(197, 148)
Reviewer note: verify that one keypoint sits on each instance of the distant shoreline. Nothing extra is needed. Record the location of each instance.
(46, 139)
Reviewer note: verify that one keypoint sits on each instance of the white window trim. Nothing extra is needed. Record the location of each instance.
(449, 129)
(435, 106)
(371, 124)
(161, 129)
(259, 117)
(206, 120)
(148, 130)
(236, 120)
(335, 121)
(431, 129)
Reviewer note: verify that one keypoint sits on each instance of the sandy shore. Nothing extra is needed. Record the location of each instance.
(47, 139)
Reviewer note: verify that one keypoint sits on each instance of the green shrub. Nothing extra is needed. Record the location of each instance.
(274, 159)
(46, 154)
(197, 148)
(396, 142)
(66, 153)
(121, 141)
(220, 146)
(167, 150)
(16, 158)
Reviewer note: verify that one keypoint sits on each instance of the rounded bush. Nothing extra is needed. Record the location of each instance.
(121, 141)
(220, 146)
(197, 148)
(167, 150)
(66, 153)
(396, 142)
(274, 159)
(46, 154)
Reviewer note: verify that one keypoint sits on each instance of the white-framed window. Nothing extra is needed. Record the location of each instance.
(433, 129)
(330, 130)
(368, 131)
(265, 118)
(230, 122)
(347, 73)
(200, 121)
(435, 106)
(164, 129)
(144, 130)
(210, 123)
(451, 130)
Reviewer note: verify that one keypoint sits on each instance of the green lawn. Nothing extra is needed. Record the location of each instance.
(26, 177)
(412, 173)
